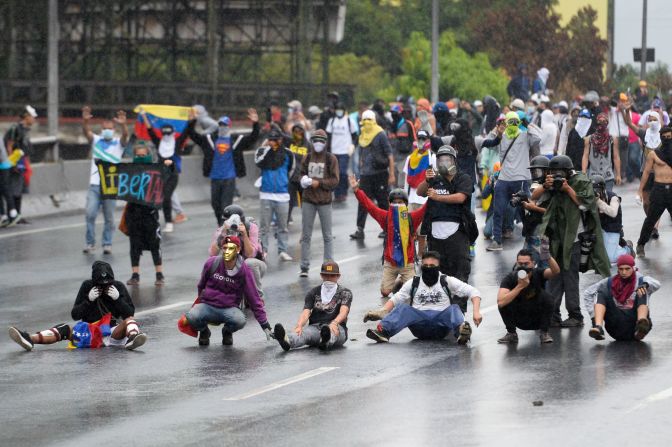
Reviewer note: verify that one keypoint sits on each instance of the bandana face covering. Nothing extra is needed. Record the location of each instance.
(328, 291)
(230, 251)
(430, 274)
(582, 126)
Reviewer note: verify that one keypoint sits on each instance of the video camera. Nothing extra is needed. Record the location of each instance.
(518, 198)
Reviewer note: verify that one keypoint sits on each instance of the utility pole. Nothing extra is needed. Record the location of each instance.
(642, 71)
(52, 76)
(434, 95)
(213, 49)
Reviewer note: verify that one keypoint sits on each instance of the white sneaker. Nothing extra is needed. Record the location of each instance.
(89, 249)
(168, 228)
(285, 257)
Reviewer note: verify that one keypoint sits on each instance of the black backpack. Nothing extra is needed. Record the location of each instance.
(460, 301)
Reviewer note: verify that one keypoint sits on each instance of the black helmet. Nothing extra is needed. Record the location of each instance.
(598, 181)
(540, 161)
(398, 193)
(446, 150)
(233, 209)
(561, 162)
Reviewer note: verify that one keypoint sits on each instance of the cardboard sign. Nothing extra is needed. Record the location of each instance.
(132, 182)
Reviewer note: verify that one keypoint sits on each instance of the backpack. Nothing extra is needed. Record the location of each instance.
(460, 301)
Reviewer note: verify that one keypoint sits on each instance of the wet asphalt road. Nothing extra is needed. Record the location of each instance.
(171, 392)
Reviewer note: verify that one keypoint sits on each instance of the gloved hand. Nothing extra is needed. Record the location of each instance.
(267, 330)
(375, 315)
(94, 293)
(113, 293)
(306, 182)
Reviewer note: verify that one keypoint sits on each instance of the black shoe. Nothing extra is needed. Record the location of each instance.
(134, 281)
(325, 336)
(465, 333)
(160, 279)
(204, 337)
(510, 337)
(596, 332)
(358, 234)
(642, 328)
(571, 322)
(281, 337)
(135, 341)
(382, 235)
(227, 337)
(556, 323)
(379, 336)
(21, 338)
(304, 273)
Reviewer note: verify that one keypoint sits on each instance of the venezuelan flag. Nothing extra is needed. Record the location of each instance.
(90, 335)
(417, 165)
(161, 115)
(402, 232)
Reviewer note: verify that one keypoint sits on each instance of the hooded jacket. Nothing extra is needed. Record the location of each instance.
(322, 167)
(91, 311)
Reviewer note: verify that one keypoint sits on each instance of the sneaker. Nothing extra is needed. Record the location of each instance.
(107, 249)
(160, 279)
(654, 234)
(642, 328)
(135, 341)
(545, 337)
(285, 257)
(494, 246)
(382, 235)
(179, 218)
(21, 338)
(4, 222)
(640, 251)
(134, 281)
(281, 337)
(571, 322)
(507, 234)
(89, 249)
(596, 332)
(358, 234)
(15, 220)
(168, 228)
(325, 336)
(510, 337)
(204, 337)
(227, 337)
(378, 335)
(465, 333)
(304, 273)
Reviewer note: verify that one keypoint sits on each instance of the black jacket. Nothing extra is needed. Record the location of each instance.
(91, 311)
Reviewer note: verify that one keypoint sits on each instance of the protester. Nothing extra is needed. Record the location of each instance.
(19, 150)
(376, 168)
(295, 116)
(319, 172)
(108, 149)
(342, 133)
(523, 301)
(658, 107)
(425, 118)
(549, 134)
(105, 310)
(425, 306)
(325, 309)
(8, 214)
(519, 86)
(533, 210)
(225, 281)
(300, 146)
(621, 303)
(619, 131)
(415, 168)
(601, 154)
(402, 133)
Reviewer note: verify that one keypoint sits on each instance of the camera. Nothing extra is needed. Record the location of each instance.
(586, 243)
(558, 181)
(518, 198)
(233, 223)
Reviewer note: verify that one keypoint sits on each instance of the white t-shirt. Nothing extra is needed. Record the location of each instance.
(109, 151)
(341, 134)
(444, 229)
(413, 196)
(433, 298)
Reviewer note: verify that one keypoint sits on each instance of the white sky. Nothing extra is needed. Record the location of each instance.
(628, 30)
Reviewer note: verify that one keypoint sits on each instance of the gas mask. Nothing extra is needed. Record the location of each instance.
(229, 251)
(537, 173)
(455, 127)
(447, 166)
(107, 134)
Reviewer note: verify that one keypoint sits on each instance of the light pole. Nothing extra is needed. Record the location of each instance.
(434, 94)
(52, 76)
(642, 71)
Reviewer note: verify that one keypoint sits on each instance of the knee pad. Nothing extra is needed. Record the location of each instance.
(63, 331)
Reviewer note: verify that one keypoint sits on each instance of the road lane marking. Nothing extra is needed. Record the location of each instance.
(663, 395)
(162, 308)
(342, 261)
(42, 230)
(283, 383)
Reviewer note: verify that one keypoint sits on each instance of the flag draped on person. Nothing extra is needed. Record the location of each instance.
(159, 116)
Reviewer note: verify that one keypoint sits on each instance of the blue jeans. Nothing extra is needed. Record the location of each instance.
(201, 314)
(93, 204)
(423, 324)
(281, 210)
(614, 250)
(341, 191)
(634, 160)
(503, 192)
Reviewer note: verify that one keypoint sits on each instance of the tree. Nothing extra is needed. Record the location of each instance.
(585, 54)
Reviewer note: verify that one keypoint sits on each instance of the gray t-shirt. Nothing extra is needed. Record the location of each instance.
(601, 163)
(517, 163)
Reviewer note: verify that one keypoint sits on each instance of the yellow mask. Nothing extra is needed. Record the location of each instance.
(230, 251)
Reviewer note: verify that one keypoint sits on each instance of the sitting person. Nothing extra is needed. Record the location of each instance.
(424, 304)
(325, 310)
(522, 299)
(621, 303)
(222, 287)
(100, 299)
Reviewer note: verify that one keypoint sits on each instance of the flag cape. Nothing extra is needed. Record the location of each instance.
(401, 232)
(159, 116)
(90, 335)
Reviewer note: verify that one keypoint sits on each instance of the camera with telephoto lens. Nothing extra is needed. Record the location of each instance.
(558, 180)
(586, 243)
(518, 198)
(233, 223)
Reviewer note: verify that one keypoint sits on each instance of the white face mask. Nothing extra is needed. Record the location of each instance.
(340, 113)
(582, 126)
(654, 126)
(328, 291)
(223, 131)
(107, 134)
(318, 146)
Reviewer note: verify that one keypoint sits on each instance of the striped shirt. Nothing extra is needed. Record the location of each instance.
(109, 151)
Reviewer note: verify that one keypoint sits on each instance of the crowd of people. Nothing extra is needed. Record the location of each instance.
(419, 169)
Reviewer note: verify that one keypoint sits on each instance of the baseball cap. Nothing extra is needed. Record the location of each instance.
(422, 134)
(517, 104)
(369, 115)
(231, 240)
(225, 120)
(31, 111)
(330, 268)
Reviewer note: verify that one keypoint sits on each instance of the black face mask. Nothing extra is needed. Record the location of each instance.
(430, 275)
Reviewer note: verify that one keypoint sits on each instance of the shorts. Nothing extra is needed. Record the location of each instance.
(390, 273)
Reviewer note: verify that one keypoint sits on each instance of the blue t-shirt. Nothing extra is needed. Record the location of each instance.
(223, 167)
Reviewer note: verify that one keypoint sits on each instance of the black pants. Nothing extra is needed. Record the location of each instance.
(660, 200)
(567, 283)
(169, 186)
(377, 189)
(454, 253)
(136, 252)
(620, 323)
(221, 196)
(5, 193)
(528, 314)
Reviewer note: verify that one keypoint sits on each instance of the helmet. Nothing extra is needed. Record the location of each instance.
(540, 161)
(598, 181)
(398, 193)
(591, 96)
(561, 162)
(233, 209)
(447, 150)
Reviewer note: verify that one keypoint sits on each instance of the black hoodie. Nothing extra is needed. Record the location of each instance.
(91, 311)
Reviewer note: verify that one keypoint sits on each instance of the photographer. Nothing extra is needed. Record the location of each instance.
(533, 211)
(236, 224)
(522, 299)
(611, 220)
(571, 223)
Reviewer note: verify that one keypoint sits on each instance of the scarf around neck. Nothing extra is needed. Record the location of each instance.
(600, 139)
(622, 289)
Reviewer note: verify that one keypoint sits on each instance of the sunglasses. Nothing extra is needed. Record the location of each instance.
(513, 122)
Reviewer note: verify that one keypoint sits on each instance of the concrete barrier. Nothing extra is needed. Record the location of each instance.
(61, 187)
